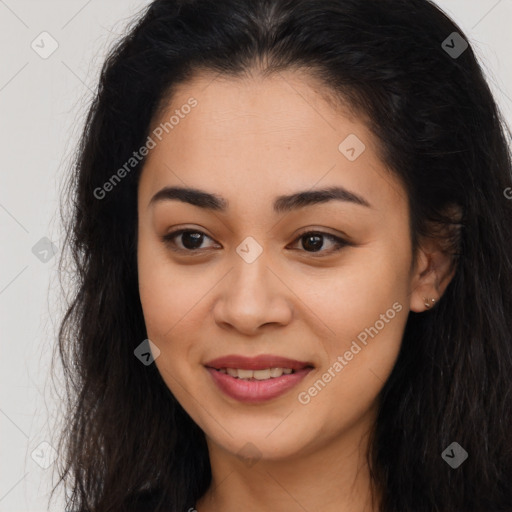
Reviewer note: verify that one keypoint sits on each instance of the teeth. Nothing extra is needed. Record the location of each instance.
(245, 374)
(262, 374)
(269, 373)
(276, 372)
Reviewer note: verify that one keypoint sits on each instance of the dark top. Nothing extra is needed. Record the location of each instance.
(145, 501)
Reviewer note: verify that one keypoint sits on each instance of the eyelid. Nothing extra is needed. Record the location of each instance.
(167, 239)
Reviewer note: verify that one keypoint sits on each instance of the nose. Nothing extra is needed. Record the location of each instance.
(253, 296)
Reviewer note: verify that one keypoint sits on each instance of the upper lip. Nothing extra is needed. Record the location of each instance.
(261, 362)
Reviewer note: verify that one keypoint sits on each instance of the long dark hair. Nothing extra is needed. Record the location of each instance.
(439, 130)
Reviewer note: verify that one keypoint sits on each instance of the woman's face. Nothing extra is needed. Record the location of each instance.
(248, 281)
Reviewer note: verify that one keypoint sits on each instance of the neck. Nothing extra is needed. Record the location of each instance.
(332, 478)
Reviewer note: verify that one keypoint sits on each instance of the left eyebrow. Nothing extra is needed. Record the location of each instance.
(285, 203)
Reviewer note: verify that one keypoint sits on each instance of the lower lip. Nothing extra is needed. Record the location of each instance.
(256, 391)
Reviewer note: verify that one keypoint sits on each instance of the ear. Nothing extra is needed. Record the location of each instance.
(435, 265)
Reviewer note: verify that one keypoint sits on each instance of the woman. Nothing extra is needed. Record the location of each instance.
(291, 229)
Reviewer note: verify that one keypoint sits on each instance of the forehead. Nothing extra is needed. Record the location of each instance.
(256, 135)
(277, 109)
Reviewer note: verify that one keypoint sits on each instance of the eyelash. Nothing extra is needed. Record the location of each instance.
(342, 243)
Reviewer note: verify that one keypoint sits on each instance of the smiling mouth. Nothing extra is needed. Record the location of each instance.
(257, 386)
(257, 379)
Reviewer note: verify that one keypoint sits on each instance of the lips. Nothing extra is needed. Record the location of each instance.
(261, 362)
(264, 386)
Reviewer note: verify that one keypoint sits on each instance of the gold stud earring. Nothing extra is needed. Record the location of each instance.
(429, 302)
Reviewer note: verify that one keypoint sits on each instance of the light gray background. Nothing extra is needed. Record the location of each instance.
(42, 106)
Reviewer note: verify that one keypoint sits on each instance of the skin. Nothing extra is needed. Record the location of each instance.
(249, 141)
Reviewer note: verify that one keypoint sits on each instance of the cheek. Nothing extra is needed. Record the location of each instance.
(359, 357)
(165, 315)
(352, 297)
(172, 298)
(363, 309)
(161, 289)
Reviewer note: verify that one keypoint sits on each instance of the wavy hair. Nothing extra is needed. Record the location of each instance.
(440, 132)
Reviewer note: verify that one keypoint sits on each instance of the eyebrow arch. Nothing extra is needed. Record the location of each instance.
(282, 204)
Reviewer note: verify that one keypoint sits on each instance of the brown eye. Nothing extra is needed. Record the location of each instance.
(314, 241)
(190, 240)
